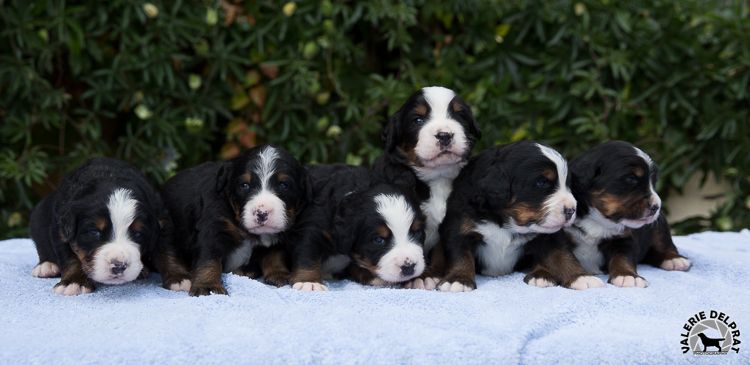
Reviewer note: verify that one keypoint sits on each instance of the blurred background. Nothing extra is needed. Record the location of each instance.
(168, 84)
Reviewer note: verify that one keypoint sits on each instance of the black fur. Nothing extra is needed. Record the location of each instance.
(207, 203)
(503, 185)
(614, 179)
(75, 218)
(342, 221)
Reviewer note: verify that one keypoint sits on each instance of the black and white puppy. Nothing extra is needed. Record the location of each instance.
(620, 222)
(227, 212)
(104, 224)
(501, 202)
(427, 142)
(371, 232)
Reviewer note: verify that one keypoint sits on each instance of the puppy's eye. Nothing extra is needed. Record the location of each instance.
(542, 183)
(244, 187)
(631, 179)
(378, 240)
(93, 234)
(419, 120)
(136, 235)
(283, 185)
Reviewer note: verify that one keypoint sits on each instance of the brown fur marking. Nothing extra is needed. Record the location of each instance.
(274, 267)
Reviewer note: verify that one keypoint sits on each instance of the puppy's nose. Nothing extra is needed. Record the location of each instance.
(653, 209)
(408, 269)
(261, 216)
(569, 213)
(118, 267)
(444, 138)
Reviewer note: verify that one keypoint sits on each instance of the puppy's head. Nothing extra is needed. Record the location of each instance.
(434, 129)
(266, 187)
(383, 231)
(525, 186)
(109, 229)
(617, 179)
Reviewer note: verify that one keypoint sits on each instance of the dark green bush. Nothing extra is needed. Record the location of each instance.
(166, 84)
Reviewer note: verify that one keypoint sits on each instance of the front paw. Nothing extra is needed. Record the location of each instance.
(676, 264)
(197, 290)
(69, 289)
(429, 283)
(45, 270)
(277, 279)
(586, 282)
(455, 285)
(309, 286)
(177, 284)
(539, 282)
(249, 273)
(627, 281)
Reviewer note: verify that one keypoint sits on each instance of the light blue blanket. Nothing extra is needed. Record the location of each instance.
(503, 321)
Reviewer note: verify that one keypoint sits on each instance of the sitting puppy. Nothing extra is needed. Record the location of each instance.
(501, 202)
(427, 142)
(620, 222)
(224, 211)
(105, 223)
(376, 231)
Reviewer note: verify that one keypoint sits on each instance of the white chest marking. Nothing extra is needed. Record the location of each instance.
(241, 255)
(434, 209)
(501, 249)
(587, 233)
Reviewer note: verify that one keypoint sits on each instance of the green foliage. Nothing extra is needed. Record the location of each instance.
(167, 84)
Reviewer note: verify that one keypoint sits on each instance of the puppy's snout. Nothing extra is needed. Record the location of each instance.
(118, 267)
(569, 213)
(444, 138)
(653, 209)
(407, 269)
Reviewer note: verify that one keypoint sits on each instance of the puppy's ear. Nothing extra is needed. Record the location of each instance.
(460, 107)
(66, 223)
(391, 135)
(345, 225)
(222, 176)
(493, 189)
(583, 171)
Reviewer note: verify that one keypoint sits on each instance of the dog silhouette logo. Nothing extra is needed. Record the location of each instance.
(710, 333)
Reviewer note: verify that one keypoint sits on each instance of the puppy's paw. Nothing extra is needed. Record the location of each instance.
(540, 282)
(207, 289)
(422, 283)
(586, 282)
(379, 282)
(455, 287)
(676, 264)
(182, 285)
(309, 286)
(626, 281)
(144, 273)
(70, 289)
(277, 279)
(250, 274)
(46, 270)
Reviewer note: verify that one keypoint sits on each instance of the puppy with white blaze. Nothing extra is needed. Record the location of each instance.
(229, 216)
(620, 222)
(371, 233)
(427, 142)
(104, 224)
(505, 213)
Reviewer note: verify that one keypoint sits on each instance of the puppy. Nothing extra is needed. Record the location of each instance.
(227, 212)
(501, 202)
(620, 222)
(427, 142)
(104, 224)
(372, 233)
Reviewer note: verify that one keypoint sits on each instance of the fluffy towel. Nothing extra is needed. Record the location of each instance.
(503, 321)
